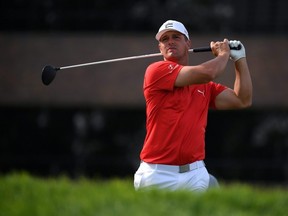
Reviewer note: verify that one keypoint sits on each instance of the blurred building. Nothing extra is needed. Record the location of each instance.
(91, 121)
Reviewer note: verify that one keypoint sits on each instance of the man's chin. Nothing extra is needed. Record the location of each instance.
(171, 57)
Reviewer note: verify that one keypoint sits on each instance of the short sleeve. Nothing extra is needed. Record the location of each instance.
(215, 90)
(161, 75)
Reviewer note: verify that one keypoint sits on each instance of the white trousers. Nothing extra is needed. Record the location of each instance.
(194, 177)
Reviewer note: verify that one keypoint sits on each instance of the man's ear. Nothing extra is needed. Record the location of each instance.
(189, 43)
(159, 48)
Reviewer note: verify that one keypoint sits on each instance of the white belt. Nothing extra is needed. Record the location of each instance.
(177, 169)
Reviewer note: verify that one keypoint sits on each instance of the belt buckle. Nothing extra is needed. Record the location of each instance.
(184, 168)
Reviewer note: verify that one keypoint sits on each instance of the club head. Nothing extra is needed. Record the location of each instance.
(48, 74)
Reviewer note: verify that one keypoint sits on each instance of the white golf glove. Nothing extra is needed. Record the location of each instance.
(235, 55)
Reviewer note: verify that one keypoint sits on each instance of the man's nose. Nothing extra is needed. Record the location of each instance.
(170, 40)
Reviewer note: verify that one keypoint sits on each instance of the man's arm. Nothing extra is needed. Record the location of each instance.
(207, 71)
(241, 95)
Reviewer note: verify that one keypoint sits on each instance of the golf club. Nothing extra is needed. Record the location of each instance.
(49, 72)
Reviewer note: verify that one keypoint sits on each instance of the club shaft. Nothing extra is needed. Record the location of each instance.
(201, 49)
(112, 60)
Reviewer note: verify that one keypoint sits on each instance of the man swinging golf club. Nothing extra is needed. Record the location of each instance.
(178, 97)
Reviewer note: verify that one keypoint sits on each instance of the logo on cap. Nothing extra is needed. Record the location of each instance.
(169, 25)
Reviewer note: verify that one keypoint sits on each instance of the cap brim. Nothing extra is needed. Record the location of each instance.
(159, 34)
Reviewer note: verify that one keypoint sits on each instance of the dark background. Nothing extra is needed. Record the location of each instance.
(104, 139)
(246, 16)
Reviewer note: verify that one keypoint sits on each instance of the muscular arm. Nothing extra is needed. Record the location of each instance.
(207, 71)
(241, 95)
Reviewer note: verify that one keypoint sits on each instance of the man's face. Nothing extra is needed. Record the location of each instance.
(173, 45)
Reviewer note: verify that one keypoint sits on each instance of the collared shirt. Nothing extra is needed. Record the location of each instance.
(176, 117)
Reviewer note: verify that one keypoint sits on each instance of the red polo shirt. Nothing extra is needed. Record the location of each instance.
(176, 117)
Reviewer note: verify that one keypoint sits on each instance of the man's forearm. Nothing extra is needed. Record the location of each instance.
(243, 83)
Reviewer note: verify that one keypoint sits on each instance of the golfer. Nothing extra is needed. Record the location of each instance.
(178, 97)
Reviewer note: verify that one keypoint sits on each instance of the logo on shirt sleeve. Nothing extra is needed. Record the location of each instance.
(171, 67)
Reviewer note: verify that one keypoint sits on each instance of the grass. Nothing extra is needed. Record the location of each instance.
(23, 194)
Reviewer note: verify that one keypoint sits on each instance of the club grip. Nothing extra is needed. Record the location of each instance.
(202, 49)
(208, 49)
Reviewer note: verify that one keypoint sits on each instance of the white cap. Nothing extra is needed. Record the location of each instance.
(171, 25)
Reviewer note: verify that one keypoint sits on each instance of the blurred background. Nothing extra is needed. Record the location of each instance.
(91, 120)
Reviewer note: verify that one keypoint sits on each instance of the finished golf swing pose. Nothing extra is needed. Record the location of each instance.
(177, 98)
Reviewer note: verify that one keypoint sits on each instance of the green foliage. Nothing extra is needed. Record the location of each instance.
(25, 195)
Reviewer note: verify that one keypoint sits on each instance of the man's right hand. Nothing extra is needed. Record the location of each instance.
(220, 47)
